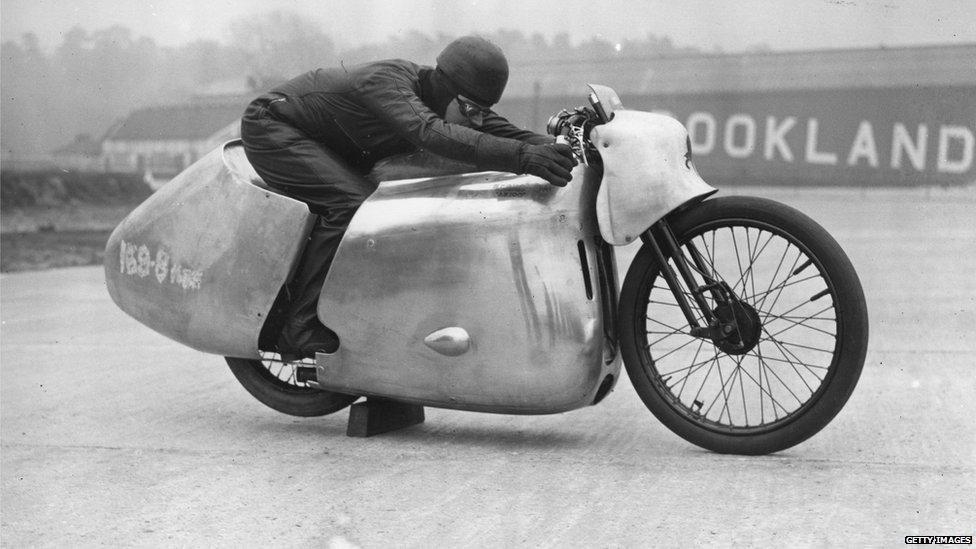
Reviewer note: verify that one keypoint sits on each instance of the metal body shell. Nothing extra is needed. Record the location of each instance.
(481, 291)
(648, 173)
(469, 292)
(202, 260)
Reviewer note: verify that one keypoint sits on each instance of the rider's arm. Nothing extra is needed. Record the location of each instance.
(387, 90)
(498, 125)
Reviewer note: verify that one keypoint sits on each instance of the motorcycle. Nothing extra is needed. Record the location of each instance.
(741, 323)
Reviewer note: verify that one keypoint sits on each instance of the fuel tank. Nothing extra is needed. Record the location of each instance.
(202, 260)
(479, 291)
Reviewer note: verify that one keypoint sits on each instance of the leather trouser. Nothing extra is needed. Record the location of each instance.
(302, 168)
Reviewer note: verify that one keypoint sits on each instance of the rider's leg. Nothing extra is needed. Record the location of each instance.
(302, 334)
(304, 169)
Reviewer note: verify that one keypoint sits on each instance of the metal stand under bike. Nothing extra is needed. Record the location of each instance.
(376, 416)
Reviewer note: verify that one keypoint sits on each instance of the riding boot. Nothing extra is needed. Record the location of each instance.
(302, 334)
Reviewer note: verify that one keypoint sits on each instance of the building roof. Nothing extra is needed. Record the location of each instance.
(944, 65)
(176, 122)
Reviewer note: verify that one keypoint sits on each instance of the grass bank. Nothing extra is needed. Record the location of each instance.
(51, 219)
(32, 251)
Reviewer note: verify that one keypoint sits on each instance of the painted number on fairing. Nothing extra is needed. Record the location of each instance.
(137, 260)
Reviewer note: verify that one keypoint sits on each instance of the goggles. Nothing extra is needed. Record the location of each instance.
(471, 109)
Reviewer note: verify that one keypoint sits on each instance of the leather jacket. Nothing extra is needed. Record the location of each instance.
(372, 111)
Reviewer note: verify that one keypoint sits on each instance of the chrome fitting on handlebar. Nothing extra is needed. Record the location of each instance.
(573, 127)
(557, 123)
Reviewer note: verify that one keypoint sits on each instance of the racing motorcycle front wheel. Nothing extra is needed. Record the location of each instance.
(779, 330)
(277, 385)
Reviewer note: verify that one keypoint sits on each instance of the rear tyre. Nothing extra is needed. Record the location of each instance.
(274, 383)
(800, 311)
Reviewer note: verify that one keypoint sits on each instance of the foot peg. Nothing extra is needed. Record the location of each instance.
(305, 374)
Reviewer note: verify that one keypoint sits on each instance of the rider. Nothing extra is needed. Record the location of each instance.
(316, 137)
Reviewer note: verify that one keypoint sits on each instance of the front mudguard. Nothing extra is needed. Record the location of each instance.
(647, 173)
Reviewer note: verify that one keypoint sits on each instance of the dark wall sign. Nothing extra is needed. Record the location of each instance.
(878, 137)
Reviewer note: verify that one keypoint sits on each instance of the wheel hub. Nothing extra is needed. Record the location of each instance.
(739, 327)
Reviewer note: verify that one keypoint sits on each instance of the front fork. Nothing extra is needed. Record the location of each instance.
(663, 245)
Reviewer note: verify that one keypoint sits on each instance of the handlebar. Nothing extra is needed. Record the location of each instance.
(573, 128)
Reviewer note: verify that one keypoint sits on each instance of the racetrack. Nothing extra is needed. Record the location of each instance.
(114, 435)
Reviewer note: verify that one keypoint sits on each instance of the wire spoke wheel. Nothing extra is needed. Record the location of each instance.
(286, 373)
(796, 333)
(796, 329)
(276, 384)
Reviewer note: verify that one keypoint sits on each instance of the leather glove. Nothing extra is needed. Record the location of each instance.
(551, 162)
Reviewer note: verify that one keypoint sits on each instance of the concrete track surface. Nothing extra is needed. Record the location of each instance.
(114, 435)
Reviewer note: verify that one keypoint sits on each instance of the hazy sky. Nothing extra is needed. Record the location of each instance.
(731, 25)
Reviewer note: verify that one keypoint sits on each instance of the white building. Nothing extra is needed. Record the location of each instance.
(161, 141)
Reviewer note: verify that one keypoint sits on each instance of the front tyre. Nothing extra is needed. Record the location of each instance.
(798, 305)
(275, 384)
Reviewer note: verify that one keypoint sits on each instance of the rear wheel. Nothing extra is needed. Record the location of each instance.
(276, 385)
(795, 328)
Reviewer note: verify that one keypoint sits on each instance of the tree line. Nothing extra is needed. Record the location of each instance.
(94, 78)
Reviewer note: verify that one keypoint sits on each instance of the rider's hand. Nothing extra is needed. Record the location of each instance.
(551, 162)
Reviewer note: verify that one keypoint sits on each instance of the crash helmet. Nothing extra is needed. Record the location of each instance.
(477, 67)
